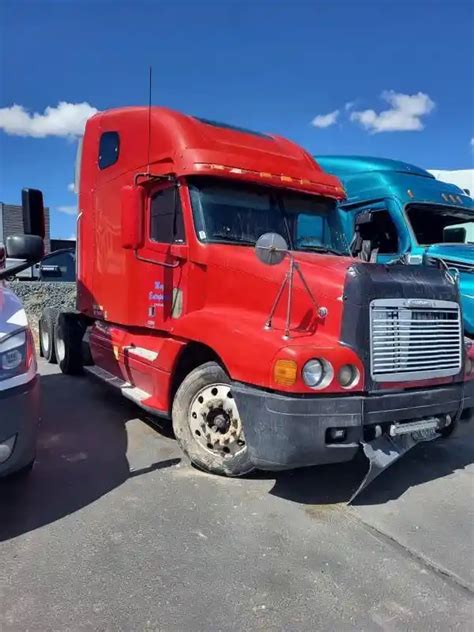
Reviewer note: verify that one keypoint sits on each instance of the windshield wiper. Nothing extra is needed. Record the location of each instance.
(317, 248)
(231, 240)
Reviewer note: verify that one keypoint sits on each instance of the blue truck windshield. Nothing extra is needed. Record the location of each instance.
(433, 224)
(239, 213)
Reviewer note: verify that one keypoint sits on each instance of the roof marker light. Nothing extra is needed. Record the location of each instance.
(329, 188)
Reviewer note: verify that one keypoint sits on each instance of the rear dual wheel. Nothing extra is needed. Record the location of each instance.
(207, 423)
(47, 331)
(68, 344)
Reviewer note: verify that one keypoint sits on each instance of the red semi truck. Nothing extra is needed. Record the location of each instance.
(258, 365)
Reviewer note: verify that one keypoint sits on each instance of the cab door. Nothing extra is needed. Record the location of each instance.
(166, 251)
(388, 234)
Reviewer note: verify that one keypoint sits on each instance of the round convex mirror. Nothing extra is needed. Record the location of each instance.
(271, 248)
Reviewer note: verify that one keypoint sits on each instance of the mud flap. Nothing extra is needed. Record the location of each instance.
(385, 450)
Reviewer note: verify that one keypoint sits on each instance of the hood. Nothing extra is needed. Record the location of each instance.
(12, 314)
(463, 253)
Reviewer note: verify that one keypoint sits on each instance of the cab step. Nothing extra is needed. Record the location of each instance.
(137, 395)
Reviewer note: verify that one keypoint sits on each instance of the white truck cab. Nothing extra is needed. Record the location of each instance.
(19, 380)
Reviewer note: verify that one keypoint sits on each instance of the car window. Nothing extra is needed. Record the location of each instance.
(58, 267)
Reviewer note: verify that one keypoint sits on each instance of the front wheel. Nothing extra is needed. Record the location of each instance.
(207, 424)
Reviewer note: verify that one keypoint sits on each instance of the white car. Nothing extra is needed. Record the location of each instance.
(19, 387)
(19, 380)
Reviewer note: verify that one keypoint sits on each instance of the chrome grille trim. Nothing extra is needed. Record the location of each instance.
(458, 265)
(413, 339)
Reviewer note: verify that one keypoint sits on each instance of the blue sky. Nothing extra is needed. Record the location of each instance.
(319, 72)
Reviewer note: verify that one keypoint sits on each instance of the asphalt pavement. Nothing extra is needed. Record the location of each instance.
(115, 531)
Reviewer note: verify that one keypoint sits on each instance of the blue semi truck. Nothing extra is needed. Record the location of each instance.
(396, 210)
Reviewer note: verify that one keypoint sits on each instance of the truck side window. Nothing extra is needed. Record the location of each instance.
(166, 217)
(380, 235)
(387, 234)
(109, 148)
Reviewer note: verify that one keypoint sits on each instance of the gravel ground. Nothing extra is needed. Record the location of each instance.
(115, 531)
(37, 295)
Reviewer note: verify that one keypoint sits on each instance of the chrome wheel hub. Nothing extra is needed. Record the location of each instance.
(60, 348)
(45, 340)
(214, 421)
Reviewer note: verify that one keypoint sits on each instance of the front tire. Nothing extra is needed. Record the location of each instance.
(207, 424)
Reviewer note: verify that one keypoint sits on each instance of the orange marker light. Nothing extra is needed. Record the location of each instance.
(285, 372)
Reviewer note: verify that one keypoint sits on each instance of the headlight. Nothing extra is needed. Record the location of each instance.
(313, 373)
(348, 376)
(14, 355)
(317, 373)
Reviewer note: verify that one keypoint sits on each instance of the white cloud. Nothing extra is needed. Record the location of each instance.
(70, 187)
(68, 210)
(66, 120)
(349, 105)
(472, 141)
(325, 120)
(463, 178)
(405, 113)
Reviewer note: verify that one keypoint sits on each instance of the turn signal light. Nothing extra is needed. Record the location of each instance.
(285, 372)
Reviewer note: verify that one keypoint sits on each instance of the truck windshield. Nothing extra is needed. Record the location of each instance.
(435, 224)
(239, 213)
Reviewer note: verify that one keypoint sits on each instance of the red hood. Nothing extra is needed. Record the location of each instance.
(235, 272)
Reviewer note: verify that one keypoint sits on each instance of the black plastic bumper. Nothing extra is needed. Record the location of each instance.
(19, 418)
(284, 432)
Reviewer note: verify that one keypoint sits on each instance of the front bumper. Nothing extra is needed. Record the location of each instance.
(19, 418)
(284, 432)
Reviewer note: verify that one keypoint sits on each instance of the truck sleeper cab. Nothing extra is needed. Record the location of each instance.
(411, 214)
(175, 309)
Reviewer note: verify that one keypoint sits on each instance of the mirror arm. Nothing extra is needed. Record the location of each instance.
(8, 272)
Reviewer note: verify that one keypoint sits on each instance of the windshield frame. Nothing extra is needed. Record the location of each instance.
(440, 206)
(277, 203)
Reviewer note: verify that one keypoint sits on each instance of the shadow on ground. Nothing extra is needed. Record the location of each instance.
(334, 484)
(82, 448)
(82, 456)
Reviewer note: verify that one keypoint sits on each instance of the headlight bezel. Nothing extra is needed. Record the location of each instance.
(355, 376)
(326, 376)
(17, 343)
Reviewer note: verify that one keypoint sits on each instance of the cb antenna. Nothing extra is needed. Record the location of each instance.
(150, 71)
